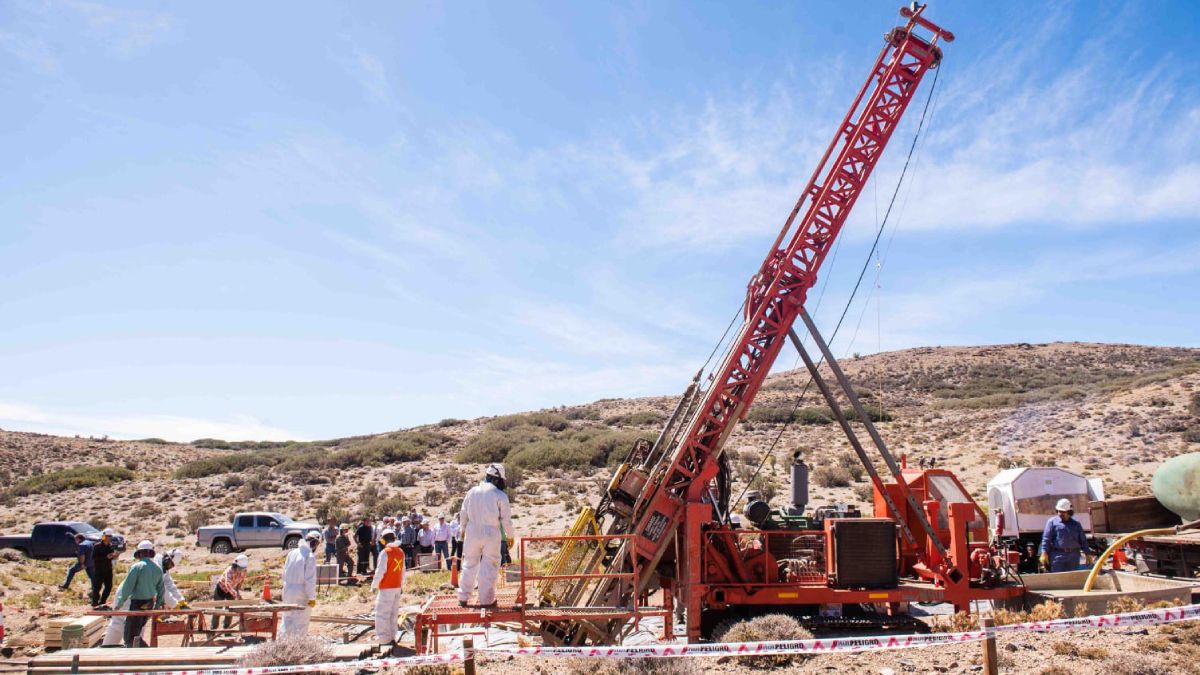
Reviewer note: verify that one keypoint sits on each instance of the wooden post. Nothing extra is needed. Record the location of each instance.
(469, 662)
(991, 663)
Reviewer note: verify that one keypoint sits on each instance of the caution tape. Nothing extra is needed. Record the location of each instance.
(719, 649)
(1145, 617)
(401, 662)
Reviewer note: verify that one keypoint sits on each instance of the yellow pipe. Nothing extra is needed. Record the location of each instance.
(1135, 535)
(1118, 544)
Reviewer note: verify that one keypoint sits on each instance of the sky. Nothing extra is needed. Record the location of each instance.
(308, 220)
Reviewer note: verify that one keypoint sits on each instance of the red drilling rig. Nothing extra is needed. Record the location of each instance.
(663, 527)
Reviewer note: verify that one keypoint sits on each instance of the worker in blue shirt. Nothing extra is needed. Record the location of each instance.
(1063, 540)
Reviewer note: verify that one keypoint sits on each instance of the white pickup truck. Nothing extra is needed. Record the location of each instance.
(254, 530)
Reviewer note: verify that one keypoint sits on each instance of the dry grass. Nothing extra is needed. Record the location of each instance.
(764, 628)
(288, 651)
(959, 622)
(1073, 649)
(1125, 604)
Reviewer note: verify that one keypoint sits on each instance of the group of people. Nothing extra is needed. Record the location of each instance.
(478, 530)
(475, 538)
(95, 559)
(416, 535)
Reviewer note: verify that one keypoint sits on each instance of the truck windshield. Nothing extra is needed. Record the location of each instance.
(83, 528)
(282, 518)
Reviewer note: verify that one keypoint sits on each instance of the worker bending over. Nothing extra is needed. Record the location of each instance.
(485, 510)
(300, 585)
(389, 579)
(1063, 540)
(114, 633)
(143, 588)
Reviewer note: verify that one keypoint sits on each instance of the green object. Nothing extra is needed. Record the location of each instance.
(1176, 485)
(144, 582)
(72, 637)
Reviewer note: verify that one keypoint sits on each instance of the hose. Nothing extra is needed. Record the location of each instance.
(1154, 532)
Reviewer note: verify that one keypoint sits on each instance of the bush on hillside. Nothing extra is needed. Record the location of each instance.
(778, 415)
(546, 420)
(832, 476)
(404, 446)
(75, 478)
(636, 419)
(494, 446)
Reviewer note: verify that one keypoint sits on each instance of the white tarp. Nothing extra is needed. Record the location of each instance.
(1026, 497)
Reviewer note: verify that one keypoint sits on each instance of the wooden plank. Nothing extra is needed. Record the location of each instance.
(342, 620)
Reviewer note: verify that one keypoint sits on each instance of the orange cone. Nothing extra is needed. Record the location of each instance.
(267, 589)
(454, 572)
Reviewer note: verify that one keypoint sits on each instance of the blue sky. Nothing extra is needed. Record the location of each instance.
(306, 220)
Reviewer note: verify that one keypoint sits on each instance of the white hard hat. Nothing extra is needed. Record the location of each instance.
(145, 545)
(108, 532)
(1063, 505)
(242, 561)
(313, 535)
(176, 555)
(386, 532)
(495, 470)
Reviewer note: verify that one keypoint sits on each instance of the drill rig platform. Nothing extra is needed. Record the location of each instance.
(664, 529)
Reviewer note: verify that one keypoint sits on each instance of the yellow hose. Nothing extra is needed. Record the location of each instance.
(1118, 544)
(1135, 535)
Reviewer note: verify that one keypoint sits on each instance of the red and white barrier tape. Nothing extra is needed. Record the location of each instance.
(815, 646)
(403, 662)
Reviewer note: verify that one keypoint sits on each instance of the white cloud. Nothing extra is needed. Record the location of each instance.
(586, 335)
(125, 31)
(370, 74)
(22, 417)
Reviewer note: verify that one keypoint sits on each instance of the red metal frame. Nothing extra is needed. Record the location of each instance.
(515, 606)
(774, 299)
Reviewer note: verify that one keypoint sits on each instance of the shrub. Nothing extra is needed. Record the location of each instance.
(636, 419)
(197, 518)
(769, 415)
(813, 416)
(494, 446)
(546, 420)
(865, 493)
(288, 651)
(71, 479)
(402, 479)
(764, 628)
(646, 666)
(582, 414)
(154, 441)
(832, 476)
(449, 422)
(1124, 604)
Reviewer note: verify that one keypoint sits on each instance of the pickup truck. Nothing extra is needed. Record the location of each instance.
(254, 530)
(55, 540)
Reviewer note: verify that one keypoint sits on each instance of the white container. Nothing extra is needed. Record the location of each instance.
(1026, 496)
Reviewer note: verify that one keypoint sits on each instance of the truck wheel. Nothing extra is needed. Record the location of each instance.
(221, 547)
(291, 542)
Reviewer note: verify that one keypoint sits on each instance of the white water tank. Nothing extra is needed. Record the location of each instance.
(1026, 497)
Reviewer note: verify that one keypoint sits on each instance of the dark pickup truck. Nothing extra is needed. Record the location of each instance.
(55, 540)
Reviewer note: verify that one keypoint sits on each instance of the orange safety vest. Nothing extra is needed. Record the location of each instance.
(393, 574)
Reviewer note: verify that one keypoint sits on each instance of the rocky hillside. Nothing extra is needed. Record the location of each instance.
(1112, 411)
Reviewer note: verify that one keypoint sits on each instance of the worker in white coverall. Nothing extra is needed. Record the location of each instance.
(485, 511)
(300, 585)
(172, 599)
(388, 582)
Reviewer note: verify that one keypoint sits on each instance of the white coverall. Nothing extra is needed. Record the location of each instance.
(114, 634)
(485, 510)
(299, 586)
(387, 600)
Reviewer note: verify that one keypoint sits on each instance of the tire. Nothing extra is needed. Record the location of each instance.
(222, 547)
(291, 542)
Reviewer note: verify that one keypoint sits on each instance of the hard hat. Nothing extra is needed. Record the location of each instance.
(495, 470)
(1063, 505)
(145, 545)
(176, 555)
(242, 561)
(108, 532)
(406, 519)
(387, 532)
(313, 535)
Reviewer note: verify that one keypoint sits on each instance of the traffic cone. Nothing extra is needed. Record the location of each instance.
(267, 589)
(454, 572)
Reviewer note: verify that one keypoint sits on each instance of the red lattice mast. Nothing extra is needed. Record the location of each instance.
(777, 292)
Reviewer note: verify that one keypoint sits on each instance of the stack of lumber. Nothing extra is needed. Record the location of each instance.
(160, 659)
(93, 629)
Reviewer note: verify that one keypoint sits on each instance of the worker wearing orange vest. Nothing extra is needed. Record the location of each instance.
(389, 579)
